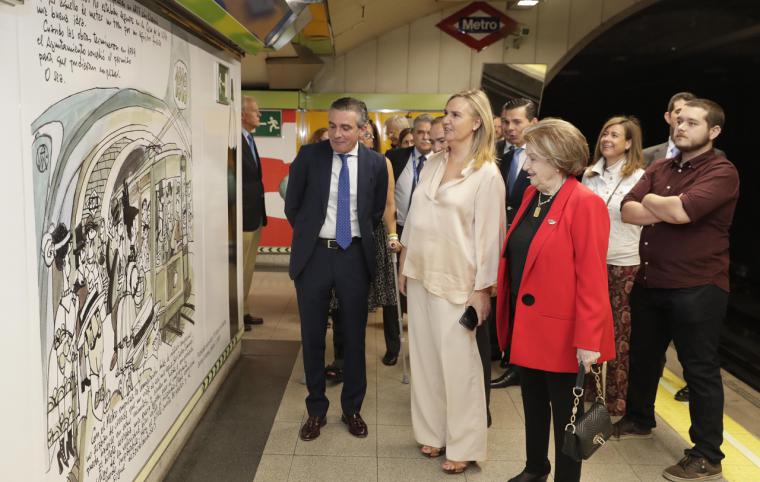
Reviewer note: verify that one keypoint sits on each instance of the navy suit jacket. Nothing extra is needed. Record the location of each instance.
(514, 196)
(309, 190)
(254, 208)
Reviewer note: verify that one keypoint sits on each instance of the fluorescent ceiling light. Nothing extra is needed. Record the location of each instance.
(527, 3)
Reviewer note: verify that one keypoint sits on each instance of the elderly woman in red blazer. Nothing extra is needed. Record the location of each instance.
(553, 307)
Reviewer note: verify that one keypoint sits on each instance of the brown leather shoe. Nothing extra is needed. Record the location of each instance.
(626, 428)
(691, 468)
(356, 425)
(310, 430)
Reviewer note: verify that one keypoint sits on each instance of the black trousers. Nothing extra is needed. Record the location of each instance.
(692, 318)
(493, 338)
(482, 338)
(548, 395)
(391, 330)
(345, 271)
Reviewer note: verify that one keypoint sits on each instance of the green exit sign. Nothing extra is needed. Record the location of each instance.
(271, 124)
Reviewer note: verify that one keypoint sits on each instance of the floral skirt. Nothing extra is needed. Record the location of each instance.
(620, 285)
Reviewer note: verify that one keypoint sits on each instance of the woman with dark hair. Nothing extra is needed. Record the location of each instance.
(406, 138)
(370, 137)
(318, 135)
(618, 167)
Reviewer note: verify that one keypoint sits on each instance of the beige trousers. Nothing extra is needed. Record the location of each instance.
(448, 396)
(250, 250)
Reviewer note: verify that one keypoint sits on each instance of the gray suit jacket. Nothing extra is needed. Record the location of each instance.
(653, 153)
(659, 151)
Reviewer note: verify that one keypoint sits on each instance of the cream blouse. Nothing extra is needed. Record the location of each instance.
(454, 231)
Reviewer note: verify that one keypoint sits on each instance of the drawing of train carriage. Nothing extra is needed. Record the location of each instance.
(113, 166)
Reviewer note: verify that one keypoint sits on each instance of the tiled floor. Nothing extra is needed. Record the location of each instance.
(390, 453)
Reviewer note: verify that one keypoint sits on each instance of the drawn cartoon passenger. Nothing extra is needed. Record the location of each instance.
(62, 400)
(89, 288)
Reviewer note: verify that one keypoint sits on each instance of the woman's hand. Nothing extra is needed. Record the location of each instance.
(402, 284)
(587, 357)
(481, 301)
(394, 245)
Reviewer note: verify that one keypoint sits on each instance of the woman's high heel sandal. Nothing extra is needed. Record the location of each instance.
(432, 452)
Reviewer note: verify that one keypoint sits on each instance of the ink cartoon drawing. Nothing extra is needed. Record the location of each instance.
(113, 211)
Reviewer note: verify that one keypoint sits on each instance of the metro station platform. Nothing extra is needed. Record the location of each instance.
(250, 432)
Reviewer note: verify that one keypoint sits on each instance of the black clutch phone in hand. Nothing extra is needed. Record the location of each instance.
(469, 318)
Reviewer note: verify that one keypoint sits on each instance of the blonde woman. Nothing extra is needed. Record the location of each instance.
(618, 167)
(449, 261)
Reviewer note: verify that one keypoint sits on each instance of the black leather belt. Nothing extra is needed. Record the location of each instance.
(333, 244)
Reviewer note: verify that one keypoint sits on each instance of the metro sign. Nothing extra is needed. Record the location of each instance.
(478, 25)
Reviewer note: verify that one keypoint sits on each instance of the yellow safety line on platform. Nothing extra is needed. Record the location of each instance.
(742, 449)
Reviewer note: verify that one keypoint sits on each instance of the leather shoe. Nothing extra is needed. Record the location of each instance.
(253, 320)
(390, 359)
(528, 477)
(356, 425)
(508, 379)
(310, 430)
(682, 395)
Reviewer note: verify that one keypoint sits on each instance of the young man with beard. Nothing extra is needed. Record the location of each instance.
(686, 205)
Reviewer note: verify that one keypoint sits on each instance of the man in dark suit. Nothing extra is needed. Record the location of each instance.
(254, 210)
(668, 149)
(516, 115)
(335, 198)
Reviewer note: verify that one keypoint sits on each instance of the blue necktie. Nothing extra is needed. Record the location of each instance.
(343, 220)
(416, 178)
(514, 168)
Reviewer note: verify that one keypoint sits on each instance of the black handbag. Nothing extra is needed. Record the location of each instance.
(592, 429)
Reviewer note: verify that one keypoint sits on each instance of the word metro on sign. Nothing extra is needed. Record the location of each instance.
(478, 25)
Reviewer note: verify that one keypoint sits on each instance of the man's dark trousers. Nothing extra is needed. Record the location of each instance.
(346, 271)
(692, 318)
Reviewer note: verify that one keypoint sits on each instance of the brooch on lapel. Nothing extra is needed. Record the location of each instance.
(551, 221)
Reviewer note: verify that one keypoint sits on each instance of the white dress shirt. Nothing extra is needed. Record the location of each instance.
(520, 158)
(623, 247)
(328, 227)
(404, 182)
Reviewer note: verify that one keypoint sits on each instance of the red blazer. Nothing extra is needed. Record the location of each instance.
(563, 302)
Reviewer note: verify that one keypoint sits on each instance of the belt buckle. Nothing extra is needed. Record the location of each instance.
(332, 244)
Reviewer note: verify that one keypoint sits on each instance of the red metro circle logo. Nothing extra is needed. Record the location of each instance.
(478, 25)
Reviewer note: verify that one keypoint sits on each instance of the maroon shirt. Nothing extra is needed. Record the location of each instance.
(696, 253)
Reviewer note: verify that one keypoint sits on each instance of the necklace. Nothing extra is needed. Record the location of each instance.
(537, 211)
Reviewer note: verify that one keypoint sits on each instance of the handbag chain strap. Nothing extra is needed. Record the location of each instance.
(578, 392)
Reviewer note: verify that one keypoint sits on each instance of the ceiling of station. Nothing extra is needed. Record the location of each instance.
(357, 21)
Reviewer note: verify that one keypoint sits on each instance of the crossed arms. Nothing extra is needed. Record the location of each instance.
(654, 209)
